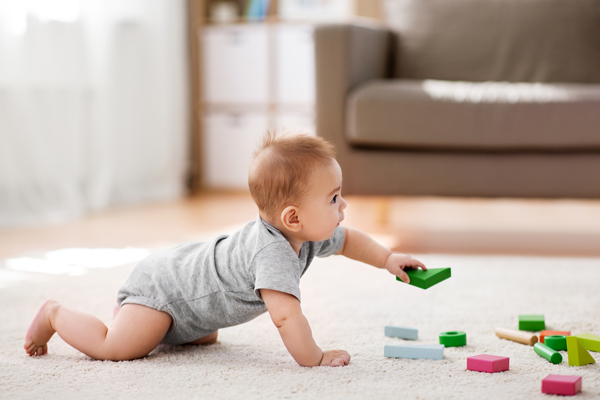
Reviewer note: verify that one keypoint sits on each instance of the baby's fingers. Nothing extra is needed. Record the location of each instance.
(403, 276)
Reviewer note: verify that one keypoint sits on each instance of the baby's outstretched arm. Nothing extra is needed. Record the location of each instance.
(361, 247)
(295, 331)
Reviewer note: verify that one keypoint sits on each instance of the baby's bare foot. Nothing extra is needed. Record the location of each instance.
(40, 331)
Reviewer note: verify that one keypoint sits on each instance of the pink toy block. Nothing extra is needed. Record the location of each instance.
(487, 363)
(568, 385)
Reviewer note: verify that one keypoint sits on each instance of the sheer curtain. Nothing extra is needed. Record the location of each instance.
(93, 106)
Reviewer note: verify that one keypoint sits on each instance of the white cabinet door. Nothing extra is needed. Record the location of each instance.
(229, 140)
(235, 64)
(295, 64)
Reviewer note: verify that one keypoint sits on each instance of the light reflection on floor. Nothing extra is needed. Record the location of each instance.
(72, 262)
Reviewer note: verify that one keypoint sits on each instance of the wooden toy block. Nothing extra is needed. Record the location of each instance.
(567, 385)
(549, 354)
(589, 341)
(488, 363)
(426, 279)
(453, 339)
(548, 333)
(516, 336)
(531, 323)
(556, 342)
(578, 355)
(402, 332)
(429, 352)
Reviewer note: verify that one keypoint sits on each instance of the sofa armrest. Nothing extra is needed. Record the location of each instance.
(346, 55)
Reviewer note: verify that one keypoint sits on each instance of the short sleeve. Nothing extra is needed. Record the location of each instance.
(333, 244)
(276, 267)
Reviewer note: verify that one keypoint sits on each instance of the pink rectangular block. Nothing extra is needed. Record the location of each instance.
(487, 363)
(568, 385)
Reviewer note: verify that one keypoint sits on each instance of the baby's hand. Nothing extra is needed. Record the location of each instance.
(335, 358)
(396, 263)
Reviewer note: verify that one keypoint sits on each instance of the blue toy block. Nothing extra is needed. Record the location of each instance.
(424, 351)
(402, 332)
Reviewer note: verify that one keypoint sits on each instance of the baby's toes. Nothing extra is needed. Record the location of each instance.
(29, 348)
(337, 362)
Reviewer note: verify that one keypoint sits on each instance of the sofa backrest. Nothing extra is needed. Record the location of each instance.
(497, 40)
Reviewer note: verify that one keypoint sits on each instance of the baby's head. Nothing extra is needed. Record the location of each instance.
(292, 171)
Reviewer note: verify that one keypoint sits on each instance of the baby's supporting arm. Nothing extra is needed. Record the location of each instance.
(361, 247)
(295, 331)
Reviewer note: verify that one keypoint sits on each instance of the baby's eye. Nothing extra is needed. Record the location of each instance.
(334, 199)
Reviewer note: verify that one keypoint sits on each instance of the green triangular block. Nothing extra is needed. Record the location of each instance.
(426, 279)
(589, 341)
(578, 355)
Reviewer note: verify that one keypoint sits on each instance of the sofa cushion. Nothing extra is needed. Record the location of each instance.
(494, 116)
(497, 40)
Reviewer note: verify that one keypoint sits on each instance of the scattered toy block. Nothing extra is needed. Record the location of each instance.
(516, 336)
(567, 385)
(548, 353)
(426, 279)
(556, 342)
(589, 341)
(553, 333)
(429, 352)
(453, 339)
(578, 355)
(487, 363)
(531, 323)
(402, 332)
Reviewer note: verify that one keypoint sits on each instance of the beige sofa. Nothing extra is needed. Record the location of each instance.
(465, 98)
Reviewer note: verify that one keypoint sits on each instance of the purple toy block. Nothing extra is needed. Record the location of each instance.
(487, 363)
(568, 385)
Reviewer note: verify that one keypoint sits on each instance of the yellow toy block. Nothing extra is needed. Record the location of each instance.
(589, 341)
(578, 355)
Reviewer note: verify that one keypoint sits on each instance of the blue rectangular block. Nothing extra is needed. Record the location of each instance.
(402, 332)
(429, 352)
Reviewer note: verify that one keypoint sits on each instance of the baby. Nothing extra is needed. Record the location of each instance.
(185, 294)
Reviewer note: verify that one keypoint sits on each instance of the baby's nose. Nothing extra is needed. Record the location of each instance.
(343, 204)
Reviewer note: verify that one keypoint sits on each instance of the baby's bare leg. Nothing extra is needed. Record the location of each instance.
(208, 339)
(134, 333)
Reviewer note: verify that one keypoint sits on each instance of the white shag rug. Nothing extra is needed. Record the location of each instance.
(348, 305)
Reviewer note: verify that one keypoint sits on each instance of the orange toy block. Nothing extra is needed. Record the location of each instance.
(550, 333)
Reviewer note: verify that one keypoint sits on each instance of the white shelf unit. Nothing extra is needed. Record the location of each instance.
(255, 77)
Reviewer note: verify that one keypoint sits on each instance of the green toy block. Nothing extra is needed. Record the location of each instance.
(589, 341)
(556, 342)
(426, 279)
(548, 353)
(453, 339)
(578, 355)
(531, 323)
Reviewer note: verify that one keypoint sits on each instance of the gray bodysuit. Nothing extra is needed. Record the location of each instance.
(206, 286)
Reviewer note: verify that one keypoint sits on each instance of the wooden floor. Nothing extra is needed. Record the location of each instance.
(412, 225)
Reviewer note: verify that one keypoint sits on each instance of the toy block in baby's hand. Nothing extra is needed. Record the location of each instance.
(426, 279)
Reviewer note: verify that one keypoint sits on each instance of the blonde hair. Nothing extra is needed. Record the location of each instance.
(282, 166)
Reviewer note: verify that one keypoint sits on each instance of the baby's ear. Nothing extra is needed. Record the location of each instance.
(289, 219)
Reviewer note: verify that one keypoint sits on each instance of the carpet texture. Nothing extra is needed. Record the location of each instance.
(348, 305)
